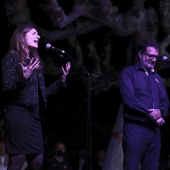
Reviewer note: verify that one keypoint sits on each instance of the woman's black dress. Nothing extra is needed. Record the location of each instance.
(23, 98)
(23, 130)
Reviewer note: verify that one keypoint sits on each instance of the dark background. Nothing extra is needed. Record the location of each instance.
(67, 117)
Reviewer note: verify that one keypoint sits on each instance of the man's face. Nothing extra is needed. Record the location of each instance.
(148, 58)
(60, 149)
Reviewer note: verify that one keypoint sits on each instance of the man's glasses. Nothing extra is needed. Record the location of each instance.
(152, 56)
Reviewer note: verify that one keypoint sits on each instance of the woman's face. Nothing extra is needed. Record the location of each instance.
(32, 38)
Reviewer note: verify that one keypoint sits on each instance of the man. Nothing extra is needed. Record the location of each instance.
(146, 104)
(58, 162)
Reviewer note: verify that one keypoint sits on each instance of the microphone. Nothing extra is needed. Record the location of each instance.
(165, 58)
(50, 47)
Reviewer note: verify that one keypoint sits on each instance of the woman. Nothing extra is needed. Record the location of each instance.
(24, 89)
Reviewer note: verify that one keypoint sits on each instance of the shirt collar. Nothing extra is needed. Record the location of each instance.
(139, 67)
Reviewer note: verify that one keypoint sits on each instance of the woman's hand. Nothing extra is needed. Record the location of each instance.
(65, 71)
(27, 70)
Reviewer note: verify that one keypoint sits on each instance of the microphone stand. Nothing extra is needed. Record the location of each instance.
(88, 72)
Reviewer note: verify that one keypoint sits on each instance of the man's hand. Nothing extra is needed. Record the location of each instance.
(155, 115)
(160, 121)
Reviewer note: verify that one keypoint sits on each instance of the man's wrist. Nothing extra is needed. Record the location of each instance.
(162, 112)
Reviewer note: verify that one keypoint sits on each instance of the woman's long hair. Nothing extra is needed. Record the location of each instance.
(17, 43)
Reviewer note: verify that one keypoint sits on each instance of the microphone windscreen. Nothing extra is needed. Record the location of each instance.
(47, 46)
(164, 58)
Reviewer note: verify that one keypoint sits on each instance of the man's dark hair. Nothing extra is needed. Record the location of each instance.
(142, 45)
